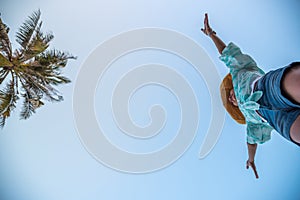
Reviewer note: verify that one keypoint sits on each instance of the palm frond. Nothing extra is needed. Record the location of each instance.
(2, 121)
(37, 45)
(28, 28)
(56, 80)
(45, 74)
(27, 108)
(32, 40)
(4, 62)
(54, 58)
(39, 89)
(5, 45)
(3, 74)
(8, 99)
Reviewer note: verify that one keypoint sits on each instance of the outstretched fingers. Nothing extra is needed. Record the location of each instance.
(206, 24)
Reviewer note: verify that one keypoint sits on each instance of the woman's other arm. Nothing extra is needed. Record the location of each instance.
(250, 162)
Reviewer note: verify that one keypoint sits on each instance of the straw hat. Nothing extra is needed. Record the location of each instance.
(234, 111)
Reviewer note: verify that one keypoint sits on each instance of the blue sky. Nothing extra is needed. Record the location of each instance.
(43, 158)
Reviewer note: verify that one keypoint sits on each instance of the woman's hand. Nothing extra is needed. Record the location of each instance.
(207, 30)
(252, 165)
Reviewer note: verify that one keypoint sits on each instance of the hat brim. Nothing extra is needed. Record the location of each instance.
(233, 111)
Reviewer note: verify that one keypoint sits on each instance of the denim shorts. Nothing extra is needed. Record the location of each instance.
(275, 106)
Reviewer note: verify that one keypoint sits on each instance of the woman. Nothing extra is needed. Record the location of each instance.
(263, 101)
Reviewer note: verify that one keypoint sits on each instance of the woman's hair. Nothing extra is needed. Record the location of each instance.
(293, 66)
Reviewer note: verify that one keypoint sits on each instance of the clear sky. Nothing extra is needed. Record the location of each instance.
(43, 158)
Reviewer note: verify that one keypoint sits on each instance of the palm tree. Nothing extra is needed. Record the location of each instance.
(31, 71)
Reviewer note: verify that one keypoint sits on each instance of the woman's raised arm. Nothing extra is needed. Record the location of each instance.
(207, 30)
